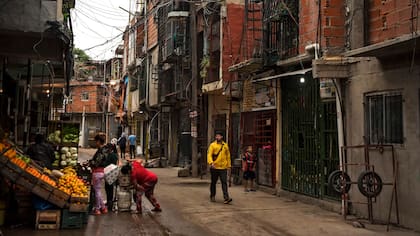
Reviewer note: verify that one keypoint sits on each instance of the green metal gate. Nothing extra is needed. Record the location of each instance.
(308, 131)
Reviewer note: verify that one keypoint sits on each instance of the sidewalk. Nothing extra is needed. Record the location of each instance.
(251, 213)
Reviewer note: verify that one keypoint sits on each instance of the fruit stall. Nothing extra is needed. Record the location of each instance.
(64, 136)
(67, 193)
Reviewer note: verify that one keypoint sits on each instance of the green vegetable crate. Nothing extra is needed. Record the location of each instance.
(64, 136)
(72, 220)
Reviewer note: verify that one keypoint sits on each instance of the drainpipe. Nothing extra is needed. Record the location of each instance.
(340, 129)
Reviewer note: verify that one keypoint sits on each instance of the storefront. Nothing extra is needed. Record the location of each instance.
(259, 126)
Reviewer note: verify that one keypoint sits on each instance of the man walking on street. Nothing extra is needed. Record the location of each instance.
(218, 158)
(132, 141)
(122, 142)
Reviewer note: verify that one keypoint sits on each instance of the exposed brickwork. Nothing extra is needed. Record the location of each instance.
(333, 28)
(389, 19)
(152, 27)
(308, 20)
(95, 101)
(248, 96)
(232, 32)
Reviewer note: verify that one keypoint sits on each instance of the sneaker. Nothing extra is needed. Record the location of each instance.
(157, 209)
(96, 212)
(246, 190)
(252, 190)
(104, 210)
(227, 201)
(212, 199)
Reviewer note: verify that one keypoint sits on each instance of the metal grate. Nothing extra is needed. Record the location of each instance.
(384, 119)
(281, 32)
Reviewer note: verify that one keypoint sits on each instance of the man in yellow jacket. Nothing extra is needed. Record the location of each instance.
(218, 158)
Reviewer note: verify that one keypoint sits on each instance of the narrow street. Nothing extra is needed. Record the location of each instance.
(188, 211)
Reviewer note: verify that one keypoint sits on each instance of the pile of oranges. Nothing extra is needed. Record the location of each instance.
(19, 162)
(33, 172)
(71, 184)
(48, 180)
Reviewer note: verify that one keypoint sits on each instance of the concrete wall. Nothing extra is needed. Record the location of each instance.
(27, 15)
(372, 75)
(153, 84)
(219, 104)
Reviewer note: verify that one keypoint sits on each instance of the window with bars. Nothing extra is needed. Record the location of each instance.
(384, 118)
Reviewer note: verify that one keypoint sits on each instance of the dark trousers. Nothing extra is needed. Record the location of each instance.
(122, 149)
(109, 189)
(215, 175)
(132, 151)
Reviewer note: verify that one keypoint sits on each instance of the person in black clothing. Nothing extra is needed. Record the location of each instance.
(122, 142)
(112, 158)
(41, 151)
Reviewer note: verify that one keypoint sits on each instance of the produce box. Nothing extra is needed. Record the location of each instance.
(71, 220)
(56, 200)
(74, 199)
(111, 173)
(14, 167)
(9, 173)
(25, 182)
(78, 207)
(41, 192)
(48, 219)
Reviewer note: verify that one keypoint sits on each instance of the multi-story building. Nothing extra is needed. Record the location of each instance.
(94, 99)
(362, 102)
(376, 71)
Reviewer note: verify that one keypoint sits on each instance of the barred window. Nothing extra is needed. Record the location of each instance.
(384, 118)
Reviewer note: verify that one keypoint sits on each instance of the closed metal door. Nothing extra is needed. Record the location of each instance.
(300, 146)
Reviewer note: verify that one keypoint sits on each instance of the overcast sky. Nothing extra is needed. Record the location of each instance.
(98, 21)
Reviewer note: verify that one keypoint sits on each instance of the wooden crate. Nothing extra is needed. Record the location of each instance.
(25, 183)
(71, 220)
(78, 207)
(57, 192)
(79, 199)
(14, 167)
(41, 192)
(58, 201)
(9, 173)
(48, 219)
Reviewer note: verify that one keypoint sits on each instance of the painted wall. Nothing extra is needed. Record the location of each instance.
(372, 75)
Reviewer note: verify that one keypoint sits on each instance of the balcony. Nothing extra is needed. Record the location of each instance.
(173, 21)
(281, 30)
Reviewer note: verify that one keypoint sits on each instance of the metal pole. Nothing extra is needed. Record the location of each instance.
(27, 125)
(194, 133)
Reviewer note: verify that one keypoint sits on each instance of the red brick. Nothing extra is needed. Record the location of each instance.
(334, 3)
(333, 31)
(333, 11)
(337, 21)
(404, 14)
